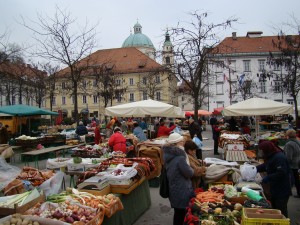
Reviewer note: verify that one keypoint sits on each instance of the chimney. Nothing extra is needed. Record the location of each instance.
(234, 36)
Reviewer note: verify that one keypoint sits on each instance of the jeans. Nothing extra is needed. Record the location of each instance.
(295, 175)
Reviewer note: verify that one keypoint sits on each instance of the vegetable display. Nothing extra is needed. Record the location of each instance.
(18, 220)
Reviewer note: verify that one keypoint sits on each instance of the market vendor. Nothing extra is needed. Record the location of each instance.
(81, 129)
(163, 130)
(98, 137)
(117, 141)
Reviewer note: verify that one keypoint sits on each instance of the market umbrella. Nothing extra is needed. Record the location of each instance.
(257, 107)
(145, 108)
(201, 112)
(218, 111)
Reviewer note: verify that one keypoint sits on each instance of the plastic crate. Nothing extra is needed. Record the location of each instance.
(252, 216)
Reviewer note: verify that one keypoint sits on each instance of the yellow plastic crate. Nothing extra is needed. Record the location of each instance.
(263, 217)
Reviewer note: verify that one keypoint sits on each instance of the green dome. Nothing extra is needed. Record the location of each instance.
(137, 39)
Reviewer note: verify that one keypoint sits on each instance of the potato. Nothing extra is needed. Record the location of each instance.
(25, 222)
(36, 223)
(7, 222)
(13, 220)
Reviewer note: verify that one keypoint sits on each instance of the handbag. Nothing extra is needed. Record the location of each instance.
(163, 183)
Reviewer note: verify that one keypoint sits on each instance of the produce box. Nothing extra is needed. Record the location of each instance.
(21, 209)
(98, 219)
(126, 189)
(263, 216)
(34, 219)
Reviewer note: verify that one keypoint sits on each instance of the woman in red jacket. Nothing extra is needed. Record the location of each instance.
(163, 130)
(117, 141)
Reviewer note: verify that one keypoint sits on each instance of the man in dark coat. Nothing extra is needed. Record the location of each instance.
(195, 129)
(81, 129)
(278, 175)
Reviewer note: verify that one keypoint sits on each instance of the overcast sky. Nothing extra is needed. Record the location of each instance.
(115, 18)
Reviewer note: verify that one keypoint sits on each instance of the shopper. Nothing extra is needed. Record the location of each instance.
(179, 175)
(278, 176)
(81, 129)
(3, 134)
(98, 137)
(292, 151)
(163, 130)
(110, 127)
(195, 129)
(190, 148)
(117, 141)
(216, 134)
(138, 132)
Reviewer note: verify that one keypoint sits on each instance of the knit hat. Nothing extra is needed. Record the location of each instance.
(117, 129)
(174, 138)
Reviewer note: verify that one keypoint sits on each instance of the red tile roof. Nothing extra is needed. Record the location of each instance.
(121, 60)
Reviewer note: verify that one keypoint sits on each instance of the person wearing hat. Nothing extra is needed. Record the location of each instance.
(292, 151)
(117, 141)
(278, 175)
(179, 174)
(163, 130)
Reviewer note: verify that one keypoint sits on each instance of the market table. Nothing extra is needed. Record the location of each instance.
(36, 153)
(135, 204)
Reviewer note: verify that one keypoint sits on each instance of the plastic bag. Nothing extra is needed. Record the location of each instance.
(198, 142)
(53, 185)
(248, 172)
(178, 130)
(8, 173)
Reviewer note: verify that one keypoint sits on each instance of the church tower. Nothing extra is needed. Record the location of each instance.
(168, 54)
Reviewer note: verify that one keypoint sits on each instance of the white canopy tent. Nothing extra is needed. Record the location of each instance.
(145, 108)
(257, 107)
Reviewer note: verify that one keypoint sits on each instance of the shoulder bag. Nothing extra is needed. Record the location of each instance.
(163, 183)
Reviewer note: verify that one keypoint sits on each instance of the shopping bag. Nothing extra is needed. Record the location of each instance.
(198, 142)
(248, 172)
(163, 184)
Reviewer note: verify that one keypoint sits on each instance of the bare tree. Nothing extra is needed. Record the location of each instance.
(288, 58)
(57, 42)
(193, 44)
(8, 52)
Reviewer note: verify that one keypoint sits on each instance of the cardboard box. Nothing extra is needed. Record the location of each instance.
(235, 147)
(21, 209)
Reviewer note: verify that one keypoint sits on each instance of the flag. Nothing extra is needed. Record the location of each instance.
(241, 79)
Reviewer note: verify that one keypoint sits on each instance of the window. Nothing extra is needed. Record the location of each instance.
(290, 101)
(118, 82)
(219, 88)
(261, 65)
(84, 99)
(219, 67)
(262, 87)
(63, 100)
(131, 97)
(95, 98)
(94, 83)
(84, 83)
(145, 96)
(277, 88)
(119, 97)
(277, 67)
(158, 96)
(168, 61)
(246, 65)
(220, 104)
(63, 85)
(182, 98)
(232, 65)
(130, 81)
(233, 87)
(144, 80)
(54, 101)
(73, 100)
(157, 79)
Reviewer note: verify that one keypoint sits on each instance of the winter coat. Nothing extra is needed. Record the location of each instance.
(139, 133)
(81, 130)
(278, 175)
(165, 131)
(179, 175)
(97, 135)
(118, 142)
(216, 132)
(292, 151)
(195, 129)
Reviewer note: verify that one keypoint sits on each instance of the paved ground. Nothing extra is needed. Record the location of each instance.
(160, 212)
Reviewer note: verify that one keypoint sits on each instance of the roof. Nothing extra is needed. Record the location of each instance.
(20, 69)
(121, 60)
(138, 39)
(252, 43)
